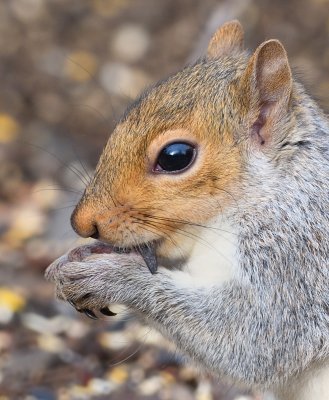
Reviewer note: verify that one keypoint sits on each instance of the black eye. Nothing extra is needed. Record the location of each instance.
(175, 157)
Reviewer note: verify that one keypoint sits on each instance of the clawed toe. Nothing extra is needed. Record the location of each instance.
(106, 311)
(72, 303)
(90, 314)
(86, 311)
(85, 297)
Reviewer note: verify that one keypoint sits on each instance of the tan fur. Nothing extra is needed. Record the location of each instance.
(227, 40)
(121, 198)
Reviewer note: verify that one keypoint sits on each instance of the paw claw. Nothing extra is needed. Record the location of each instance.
(90, 314)
(106, 311)
(85, 297)
(71, 303)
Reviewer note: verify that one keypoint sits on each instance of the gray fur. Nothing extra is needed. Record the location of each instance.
(273, 322)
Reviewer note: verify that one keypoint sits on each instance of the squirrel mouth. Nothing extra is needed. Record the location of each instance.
(147, 251)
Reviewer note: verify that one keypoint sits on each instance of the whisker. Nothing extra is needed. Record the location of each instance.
(182, 221)
(81, 163)
(216, 231)
(187, 234)
(80, 66)
(80, 192)
(135, 244)
(141, 225)
(190, 235)
(185, 222)
(229, 194)
(94, 109)
(143, 340)
(73, 169)
(170, 228)
(63, 208)
(112, 198)
(145, 229)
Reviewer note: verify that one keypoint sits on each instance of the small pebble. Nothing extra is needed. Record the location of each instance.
(43, 325)
(6, 341)
(51, 343)
(46, 194)
(131, 42)
(243, 398)
(168, 378)
(114, 340)
(77, 329)
(150, 386)
(52, 61)
(204, 391)
(118, 375)
(42, 393)
(27, 222)
(99, 386)
(27, 10)
(6, 315)
(122, 80)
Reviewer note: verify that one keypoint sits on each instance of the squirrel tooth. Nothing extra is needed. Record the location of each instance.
(147, 251)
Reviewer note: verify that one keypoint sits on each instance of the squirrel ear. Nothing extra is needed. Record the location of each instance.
(227, 39)
(268, 80)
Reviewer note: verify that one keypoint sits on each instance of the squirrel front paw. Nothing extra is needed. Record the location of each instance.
(90, 278)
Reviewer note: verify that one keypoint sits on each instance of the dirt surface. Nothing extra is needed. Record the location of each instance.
(68, 69)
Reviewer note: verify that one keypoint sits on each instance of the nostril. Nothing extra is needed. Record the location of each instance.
(95, 235)
(83, 221)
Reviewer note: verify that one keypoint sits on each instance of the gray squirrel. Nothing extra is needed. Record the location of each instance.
(217, 180)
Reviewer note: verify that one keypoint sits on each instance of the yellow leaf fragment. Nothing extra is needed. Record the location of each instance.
(11, 300)
(9, 128)
(118, 375)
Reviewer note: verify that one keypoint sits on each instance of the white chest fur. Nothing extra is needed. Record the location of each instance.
(213, 259)
(312, 385)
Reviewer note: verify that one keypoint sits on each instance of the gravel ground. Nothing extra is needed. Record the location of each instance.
(68, 69)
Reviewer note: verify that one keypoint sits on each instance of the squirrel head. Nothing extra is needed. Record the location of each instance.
(176, 158)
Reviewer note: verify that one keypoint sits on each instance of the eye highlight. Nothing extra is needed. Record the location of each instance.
(175, 157)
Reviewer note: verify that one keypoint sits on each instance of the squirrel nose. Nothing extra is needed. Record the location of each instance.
(83, 222)
(90, 219)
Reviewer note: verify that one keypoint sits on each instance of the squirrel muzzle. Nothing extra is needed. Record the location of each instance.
(109, 224)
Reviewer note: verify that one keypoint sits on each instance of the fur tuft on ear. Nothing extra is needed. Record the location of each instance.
(268, 81)
(227, 40)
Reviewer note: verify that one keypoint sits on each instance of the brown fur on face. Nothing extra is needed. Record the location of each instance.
(131, 204)
(212, 104)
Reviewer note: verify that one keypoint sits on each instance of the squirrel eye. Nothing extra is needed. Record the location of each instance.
(175, 157)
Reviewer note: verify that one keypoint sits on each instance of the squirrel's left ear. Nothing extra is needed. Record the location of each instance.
(227, 40)
(267, 86)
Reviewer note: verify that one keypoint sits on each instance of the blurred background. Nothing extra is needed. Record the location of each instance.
(68, 69)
